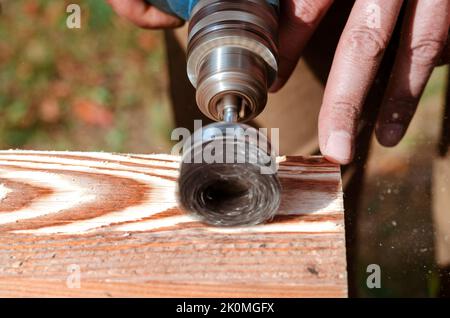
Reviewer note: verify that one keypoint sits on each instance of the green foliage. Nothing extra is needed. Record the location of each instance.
(101, 15)
(64, 88)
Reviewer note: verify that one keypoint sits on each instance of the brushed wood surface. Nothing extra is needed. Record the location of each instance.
(114, 219)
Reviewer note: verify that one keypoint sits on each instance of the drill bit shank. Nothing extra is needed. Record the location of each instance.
(231, 105)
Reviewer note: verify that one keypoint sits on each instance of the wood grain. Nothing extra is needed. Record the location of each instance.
(115, 218)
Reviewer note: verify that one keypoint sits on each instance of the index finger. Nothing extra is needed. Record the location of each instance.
(356, 61)
(299, 20)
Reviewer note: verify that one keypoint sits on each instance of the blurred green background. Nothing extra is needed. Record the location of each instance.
(104, 87)
(99, 87)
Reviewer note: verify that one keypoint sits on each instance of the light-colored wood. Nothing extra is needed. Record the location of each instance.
(114, 218)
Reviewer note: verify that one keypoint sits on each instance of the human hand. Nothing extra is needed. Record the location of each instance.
(144, 15)
(424, 44)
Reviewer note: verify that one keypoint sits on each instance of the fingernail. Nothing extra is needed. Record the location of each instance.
(339, 146)
(389, 135)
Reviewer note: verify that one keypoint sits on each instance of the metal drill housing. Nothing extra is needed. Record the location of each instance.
(232, 50)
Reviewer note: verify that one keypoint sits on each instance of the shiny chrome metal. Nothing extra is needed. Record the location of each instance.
(232, 49)
(230, 70)
(230, 107)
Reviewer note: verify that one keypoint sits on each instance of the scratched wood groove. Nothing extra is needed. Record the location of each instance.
(115, 218)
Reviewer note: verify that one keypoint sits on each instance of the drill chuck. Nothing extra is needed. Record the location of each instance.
(232, 50)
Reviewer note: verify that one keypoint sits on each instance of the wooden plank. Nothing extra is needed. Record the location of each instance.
(114, 220)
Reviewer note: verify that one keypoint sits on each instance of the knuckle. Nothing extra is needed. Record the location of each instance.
(367, 42)
(426, 51)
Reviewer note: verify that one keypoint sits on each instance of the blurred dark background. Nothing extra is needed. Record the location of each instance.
(104, 88)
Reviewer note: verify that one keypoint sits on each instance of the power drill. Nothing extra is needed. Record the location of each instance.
(232, 60)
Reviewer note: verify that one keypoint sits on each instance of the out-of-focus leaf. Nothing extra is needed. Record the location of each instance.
(116, 138)
(37, 52)
(101, 95)
(16, 137)
(100, 14)
(49, 110)
(92, 113)
(16, 112)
